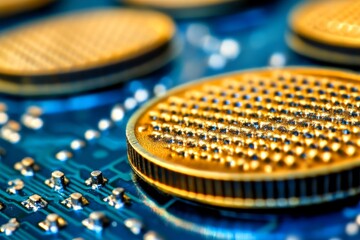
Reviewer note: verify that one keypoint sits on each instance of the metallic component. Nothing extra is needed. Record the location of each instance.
(31, 119)
(4, 117)
(26, 166)
(141, 95)
(10, 227)
(117, 113)
(76, 201)
(58, 181)
(134, 225)
(327, 31)
(103, 45)
(34, 111)
(15, 186)
(53, 223)
(151, 235)
(32, 122)
(63, 155)
(117, 199)
(13, 125)
(77, 144)
(2, 206)
(96, 221)
(130, 103)
(10, 131)
(91, 134)
(34, 202)
(256, 139)
(159, 90)
(189, 8)
(104, 124)
(96, 179)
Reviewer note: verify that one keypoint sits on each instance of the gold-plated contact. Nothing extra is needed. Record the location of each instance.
(11, 7)
(327, 30)
(262, 138)
(188, 8)
(112, 42)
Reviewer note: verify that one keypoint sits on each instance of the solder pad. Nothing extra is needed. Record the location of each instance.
(83, 51)
(327, 31)
(265, 138)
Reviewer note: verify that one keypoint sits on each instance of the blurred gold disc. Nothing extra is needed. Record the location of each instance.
(254, 139)
(11, 7)
(84, 51)
(188, 8)
(327, 31)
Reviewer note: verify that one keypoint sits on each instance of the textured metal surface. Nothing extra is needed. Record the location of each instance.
(73, 136)
(84, 42)
(327, 30)
(257, 138)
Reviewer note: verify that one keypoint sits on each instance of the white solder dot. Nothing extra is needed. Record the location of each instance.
(141, 95)
(104, 124)
(91, 134)
(117, 113)
(230, 48)
(130, 103)
(277, 60)
(351, 229)
(63, 155)
(216, 61)
(3, 117)
(77, 144)
(159, 89)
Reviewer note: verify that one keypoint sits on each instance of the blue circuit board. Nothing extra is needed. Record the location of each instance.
(257, 33)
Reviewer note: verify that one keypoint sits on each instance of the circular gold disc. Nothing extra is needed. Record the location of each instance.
(188, 8)
(84, 51)
(11, 7)
(261, 138)
(327, 30)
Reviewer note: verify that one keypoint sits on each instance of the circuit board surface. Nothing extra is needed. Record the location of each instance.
(98, 121)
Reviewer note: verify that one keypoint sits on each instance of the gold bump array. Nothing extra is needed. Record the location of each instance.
(253, 139)
(84, 51)
(327, 31)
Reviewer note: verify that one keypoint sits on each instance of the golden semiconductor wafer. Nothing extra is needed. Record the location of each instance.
(327, 31)
(84, 51)
(253, 139)
(189, 8)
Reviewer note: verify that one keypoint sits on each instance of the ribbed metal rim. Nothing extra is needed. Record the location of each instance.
(255, 190)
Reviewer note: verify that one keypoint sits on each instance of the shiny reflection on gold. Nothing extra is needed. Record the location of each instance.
(79, 43)
(82, 40)
(257, 139)
(327, 30)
